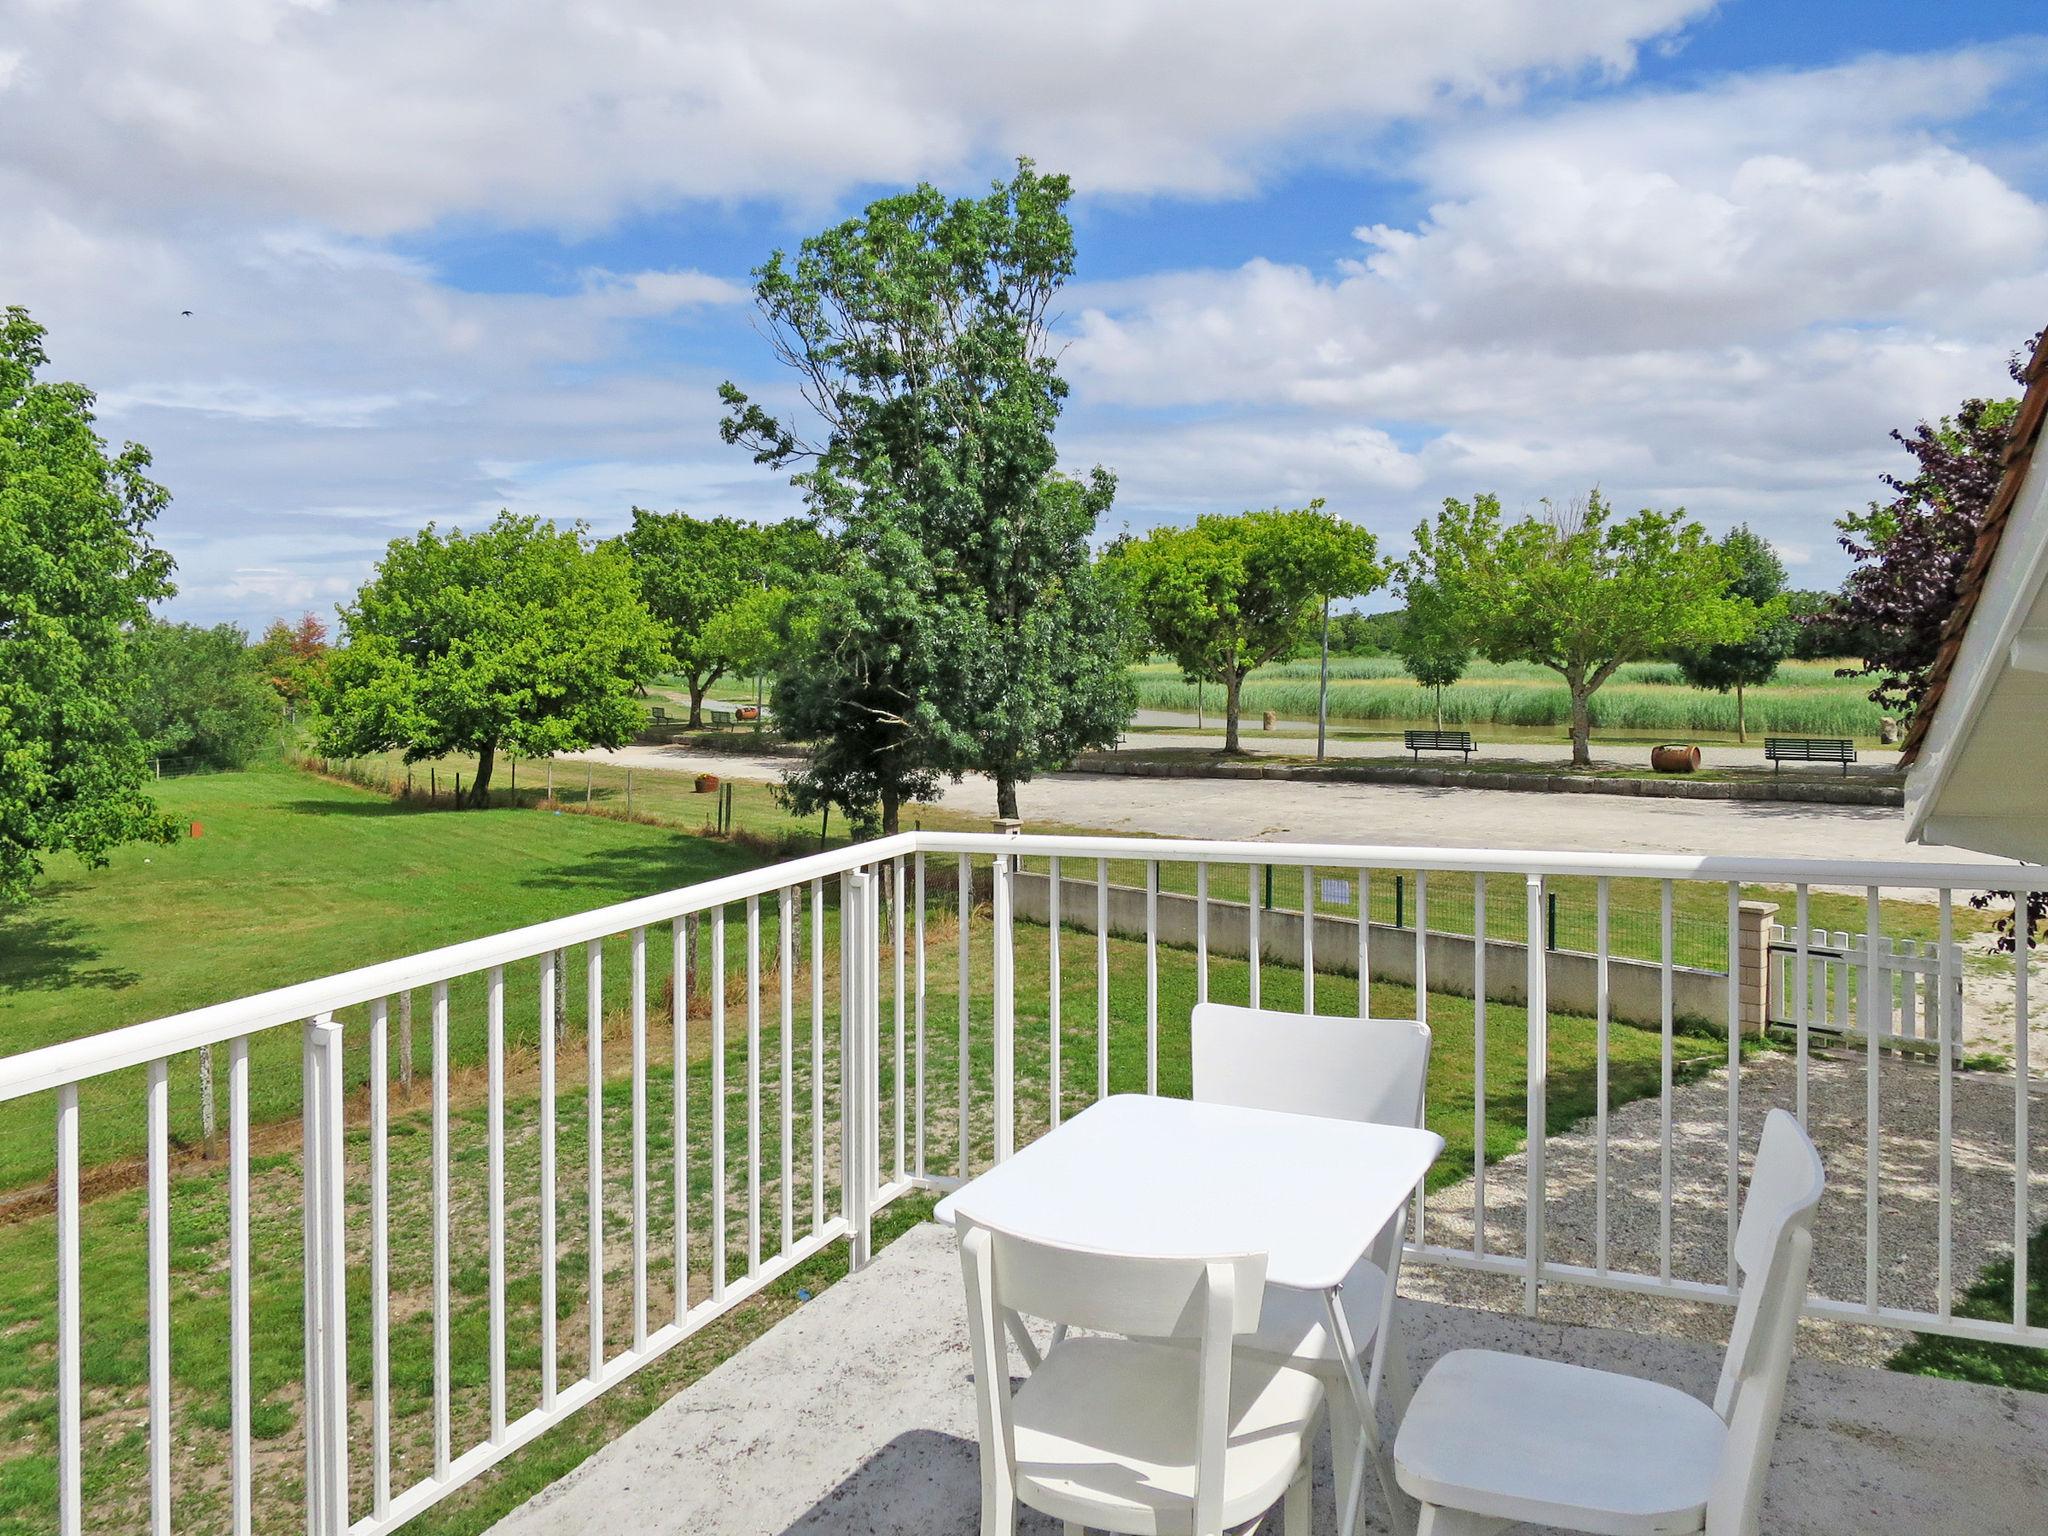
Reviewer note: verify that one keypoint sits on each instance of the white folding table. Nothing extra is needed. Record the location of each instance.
(1172, 1177)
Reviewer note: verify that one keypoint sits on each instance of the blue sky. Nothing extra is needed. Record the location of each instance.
(484, 254)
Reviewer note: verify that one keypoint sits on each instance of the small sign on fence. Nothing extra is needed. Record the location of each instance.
(1336, 893)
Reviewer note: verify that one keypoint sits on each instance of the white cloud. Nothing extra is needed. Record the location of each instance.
(1720, 298)
(384, 114)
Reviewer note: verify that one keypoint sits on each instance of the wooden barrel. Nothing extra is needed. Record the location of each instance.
(1675, 757)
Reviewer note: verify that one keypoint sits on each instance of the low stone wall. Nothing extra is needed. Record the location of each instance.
(1634, 987)
(1797, 788)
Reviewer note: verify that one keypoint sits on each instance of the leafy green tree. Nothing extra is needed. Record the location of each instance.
(1432, 646)
(1231, 593)
(1757, 577)
(920, 335)
(292, 658)
(521, 637)
(718, 584)
(77, 572)
(196, 695)
(1578, 591)
(1365, 634)
(857, 682)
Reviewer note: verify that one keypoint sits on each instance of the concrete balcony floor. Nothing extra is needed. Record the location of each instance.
(854, 1416)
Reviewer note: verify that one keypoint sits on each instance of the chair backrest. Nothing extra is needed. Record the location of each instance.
(1204, 1300)
(1307, 1064)
(1773, 1249)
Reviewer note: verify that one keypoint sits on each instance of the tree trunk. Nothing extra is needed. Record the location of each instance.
(1439, 706)
(1006, 797)
(1232, 680)
(480, 791)
(1741, 722)
(892, 812)
(697, 692)
(1582, 726)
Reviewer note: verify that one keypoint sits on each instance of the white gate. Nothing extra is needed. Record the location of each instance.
(1912, 983)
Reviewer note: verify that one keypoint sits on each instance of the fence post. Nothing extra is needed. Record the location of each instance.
(405, 1042)
(1753, 965)
(1003, 991)
(1538, 1102)
(1400, 895)
(1550, 915)
(589, 777)
(326, 1316)
(856, 1066)
(629, 794)
(551, 781)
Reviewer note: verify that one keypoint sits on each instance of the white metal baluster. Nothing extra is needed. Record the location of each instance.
(637, 955)
(442, 1428)
(1600, 945)
(1251, 890)
(1151, 975)
(593, 1119)
(1003, 1005)
(918, 1022)
(495, 1114)
(1053, 986)
(1421, 1014)
(238, 1283)
(1364, 943)
(1102, 978)
(1945, 1022)
(1308, 939)
(965, 904)
(551, 981)
(1804, 965)
(333, 1308)
(1664, 1062)
(680, 932)
(753, 1085)
(380, 1259)
(818, 1049)
(1734, 1199)
(160, 1297)
(2022, 1226)
(786, 963)
(719, 1191)
(70, 1505)
(1478, 1063)
(313, 1292)
(856, 943)
(1870, 989)
(896, 923)
(1537, 1104)
(1202, 931)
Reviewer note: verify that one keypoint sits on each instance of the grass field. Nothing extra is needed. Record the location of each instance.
(1644, 698)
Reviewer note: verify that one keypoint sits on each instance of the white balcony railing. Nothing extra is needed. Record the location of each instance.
(841, 1030)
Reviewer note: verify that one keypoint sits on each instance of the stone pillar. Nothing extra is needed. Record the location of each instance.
(1010, 826)
(1753, 921)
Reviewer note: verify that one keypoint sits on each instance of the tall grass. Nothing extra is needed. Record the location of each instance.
(1806, 699)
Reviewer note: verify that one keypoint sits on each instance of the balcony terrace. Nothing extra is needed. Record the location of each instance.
(635, 1123)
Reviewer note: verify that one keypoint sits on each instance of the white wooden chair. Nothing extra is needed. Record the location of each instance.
(1494, 1440)
(1167, 1432)
(1346, 1069)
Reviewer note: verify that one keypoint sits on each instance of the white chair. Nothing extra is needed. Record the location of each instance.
(1163, 1433)
(1494, 1440)
(1345, 1069)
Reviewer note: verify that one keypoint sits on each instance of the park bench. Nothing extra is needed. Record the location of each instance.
(1419, 742)
(1809, 749)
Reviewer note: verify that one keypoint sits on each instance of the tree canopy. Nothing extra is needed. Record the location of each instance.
(292, 658)
(77, 572)
(197, 696)
(919, 333)
(1578, 590)
(719, 585)
(1230, 593)
(1757, 576)
(1432, 644)
(521, 637)
(1910, 551)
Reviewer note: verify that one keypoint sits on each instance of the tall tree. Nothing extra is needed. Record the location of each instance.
(1433, 647)
(1909, 552)
(1757, 576)
(1231, 593)
(77, 572)
(920, 336)
(292, 658)
(716, 583)
(1577, 590)
(521, 637)
(196, 695)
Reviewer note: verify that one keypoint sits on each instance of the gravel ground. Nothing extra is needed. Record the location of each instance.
(1908, 1241)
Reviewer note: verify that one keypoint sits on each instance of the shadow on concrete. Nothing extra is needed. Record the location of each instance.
(923, 1481)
